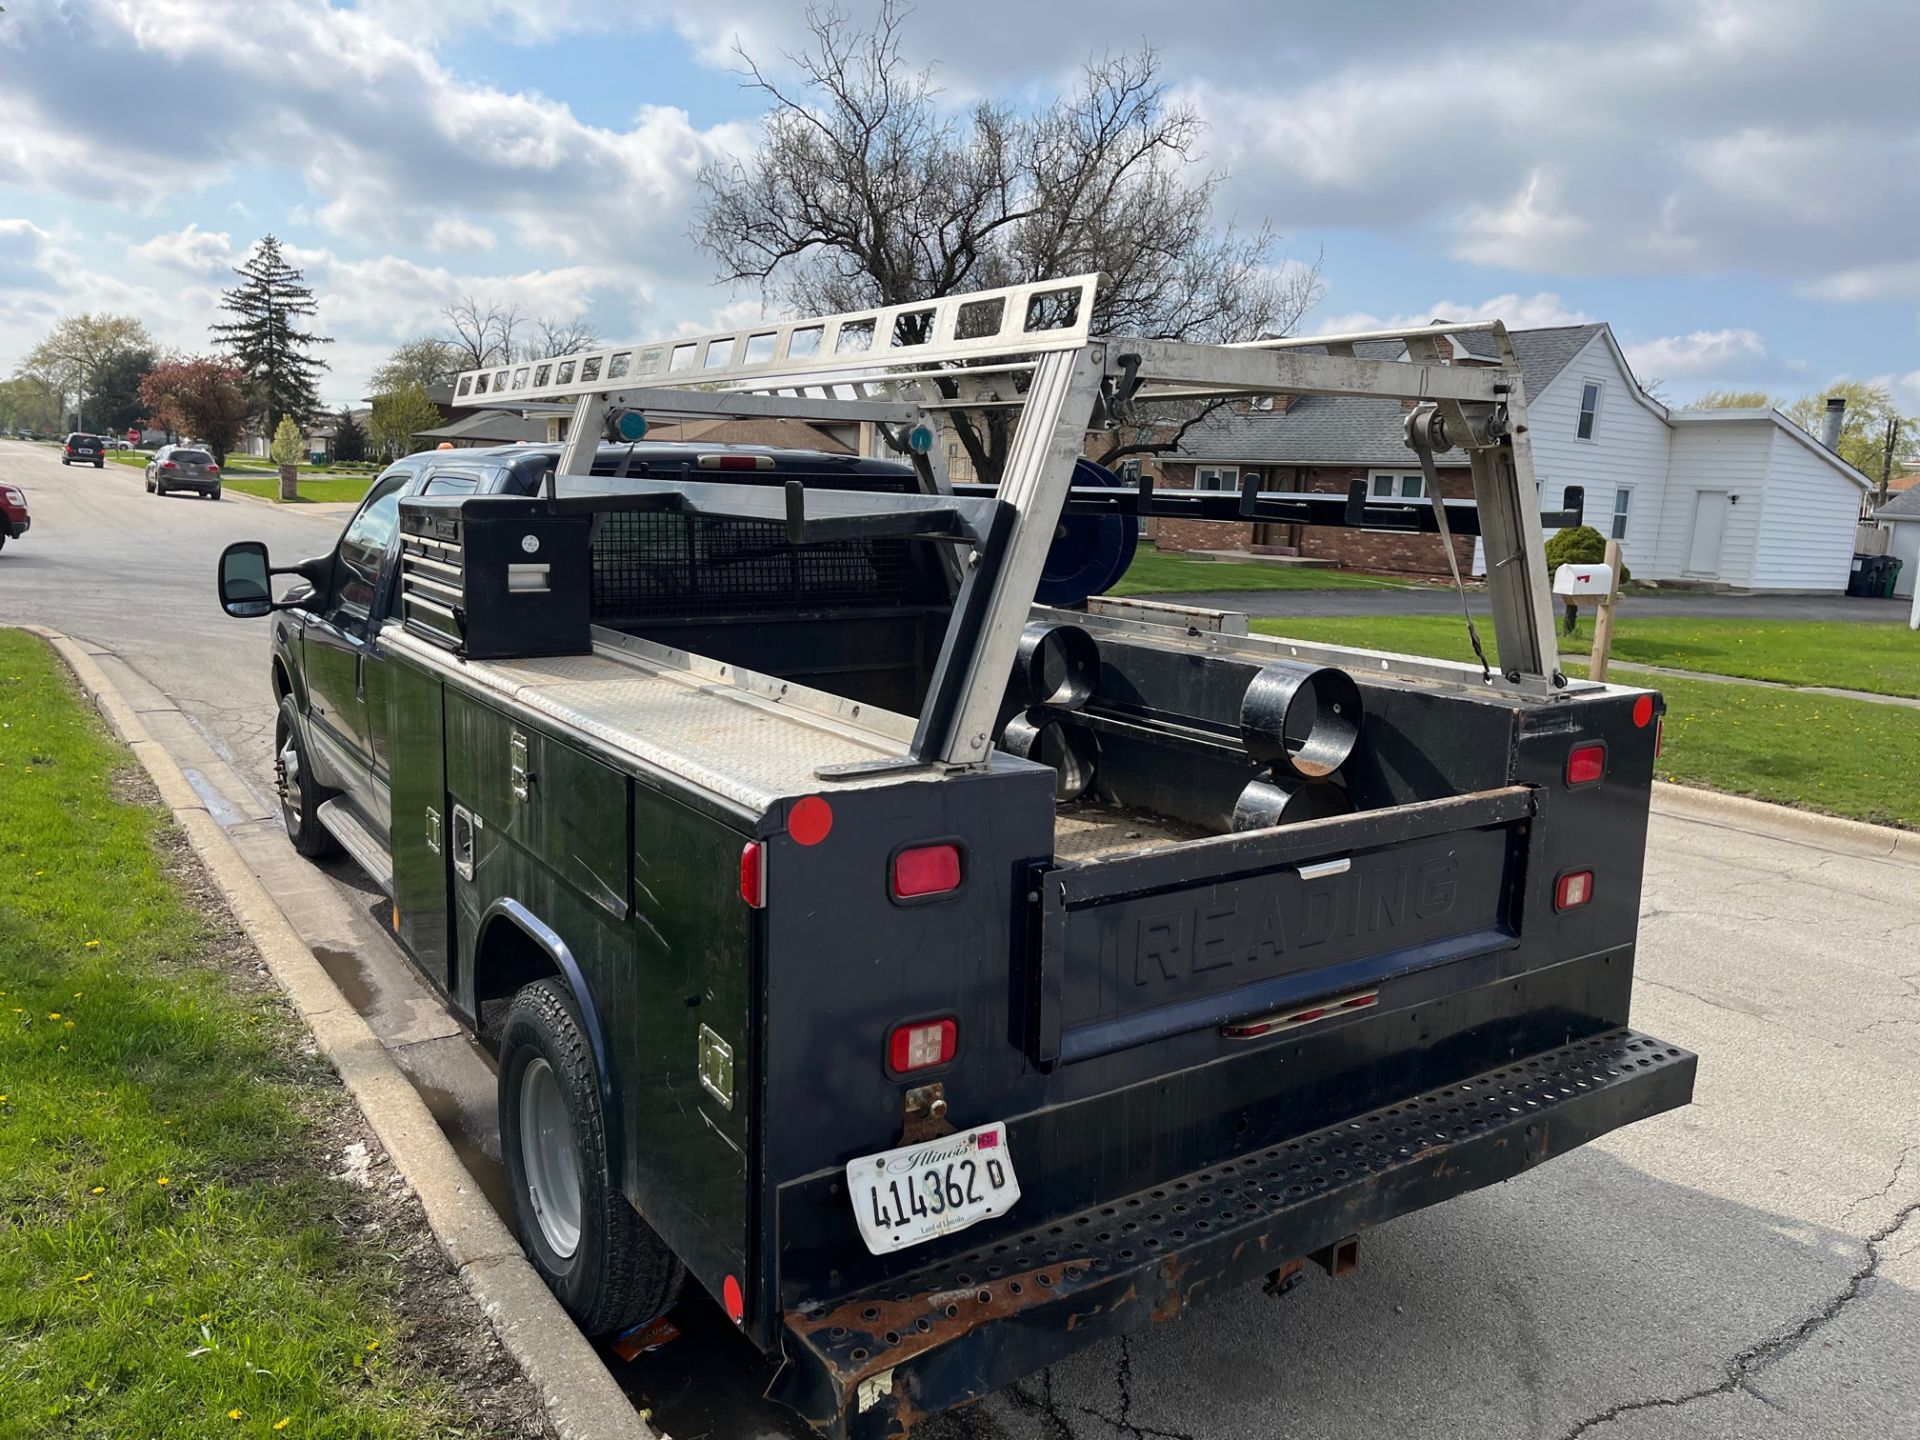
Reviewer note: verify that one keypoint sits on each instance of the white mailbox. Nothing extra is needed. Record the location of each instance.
(1583, 582)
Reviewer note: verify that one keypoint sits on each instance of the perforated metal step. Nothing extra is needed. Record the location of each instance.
(962, 1328)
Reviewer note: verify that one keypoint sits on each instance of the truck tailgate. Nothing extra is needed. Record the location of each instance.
(1139, 947)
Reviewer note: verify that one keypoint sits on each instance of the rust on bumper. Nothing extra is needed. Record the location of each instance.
(868, 1365)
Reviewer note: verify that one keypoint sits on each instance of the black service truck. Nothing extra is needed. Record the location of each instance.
(939, 978)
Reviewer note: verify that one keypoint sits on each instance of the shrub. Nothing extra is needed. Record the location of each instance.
(1581, 545)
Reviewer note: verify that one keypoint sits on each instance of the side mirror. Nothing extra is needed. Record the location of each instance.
(245, 589)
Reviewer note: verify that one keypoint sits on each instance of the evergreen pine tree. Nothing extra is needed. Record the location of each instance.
(267, 347)
(349, 438)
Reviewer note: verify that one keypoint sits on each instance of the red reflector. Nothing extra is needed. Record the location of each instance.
(1659, 737)
(1575, 889)
(753, 873)
(922, 1045)
(809, 820)
(1643, 712)
(926, 870)
(731, 1297)
(1586, 764)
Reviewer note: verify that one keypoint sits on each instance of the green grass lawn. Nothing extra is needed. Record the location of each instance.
(172, 1259)
(313, 487)
(1155, 574)
(1881, 659)
(1815, 751)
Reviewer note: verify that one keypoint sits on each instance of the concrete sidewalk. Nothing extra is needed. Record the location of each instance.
(1906, 701)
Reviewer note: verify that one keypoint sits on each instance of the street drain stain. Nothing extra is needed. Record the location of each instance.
(485, 1168)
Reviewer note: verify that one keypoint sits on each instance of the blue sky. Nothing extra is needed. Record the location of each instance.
(1735, 187)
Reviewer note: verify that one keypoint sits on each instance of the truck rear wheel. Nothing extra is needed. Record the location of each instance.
(602, 1261)
(300, 794)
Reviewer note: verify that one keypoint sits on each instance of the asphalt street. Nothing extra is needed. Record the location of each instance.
(1749, 1266)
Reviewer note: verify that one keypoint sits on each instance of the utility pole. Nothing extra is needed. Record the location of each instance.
(1886, 459)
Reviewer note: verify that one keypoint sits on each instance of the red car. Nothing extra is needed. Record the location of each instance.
(14, 520)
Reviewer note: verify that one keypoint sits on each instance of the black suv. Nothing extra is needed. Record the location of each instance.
(85, 447)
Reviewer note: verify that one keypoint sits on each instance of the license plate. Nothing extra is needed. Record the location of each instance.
(903, 1197)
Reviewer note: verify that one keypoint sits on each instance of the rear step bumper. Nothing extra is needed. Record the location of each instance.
(873, 1363)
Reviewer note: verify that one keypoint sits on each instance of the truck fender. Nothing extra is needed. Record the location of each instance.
(506, 911)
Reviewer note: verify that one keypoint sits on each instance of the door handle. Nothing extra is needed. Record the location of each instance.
(360, 674)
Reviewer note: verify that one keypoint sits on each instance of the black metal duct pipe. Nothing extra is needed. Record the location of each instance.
(1301, 719)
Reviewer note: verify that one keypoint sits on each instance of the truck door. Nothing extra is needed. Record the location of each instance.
(336, 648)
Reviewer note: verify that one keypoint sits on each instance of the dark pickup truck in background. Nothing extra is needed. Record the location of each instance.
(939, 979)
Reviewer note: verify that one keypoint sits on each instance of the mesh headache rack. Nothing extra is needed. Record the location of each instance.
(1028, 350)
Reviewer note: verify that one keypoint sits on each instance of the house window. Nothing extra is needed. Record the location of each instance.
(1622, 498)
(1210, 477)
(1383, 485)
(1589, 409)
(1129, 471)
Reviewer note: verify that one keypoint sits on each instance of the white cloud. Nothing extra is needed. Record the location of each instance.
(1895, 280)
(192, 251)
(450, 232)
(1719, 353)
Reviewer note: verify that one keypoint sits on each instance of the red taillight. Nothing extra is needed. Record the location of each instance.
(213, 469)
(1586, 764)
(753, 873)
(1575, 888)
(926, 870)
(735, 462)
(168, 465)
(922, 1045)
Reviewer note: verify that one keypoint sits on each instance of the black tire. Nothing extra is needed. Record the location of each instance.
(620, 1272)
(214, 493)
(65, 461)
(99, 464)
(301, 796)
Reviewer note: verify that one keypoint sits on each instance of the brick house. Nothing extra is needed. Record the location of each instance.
(1743, 499)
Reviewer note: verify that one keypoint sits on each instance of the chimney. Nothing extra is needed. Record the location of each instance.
(1836, 413)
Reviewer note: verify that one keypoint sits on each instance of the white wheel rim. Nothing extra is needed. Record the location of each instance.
(548, 1155)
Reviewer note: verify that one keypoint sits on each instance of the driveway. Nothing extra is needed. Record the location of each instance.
(1437, 600)
(1748, 1266)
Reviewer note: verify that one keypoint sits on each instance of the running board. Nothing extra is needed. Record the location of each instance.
(358, 841)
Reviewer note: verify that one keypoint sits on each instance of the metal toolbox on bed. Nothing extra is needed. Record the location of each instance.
(492, 577)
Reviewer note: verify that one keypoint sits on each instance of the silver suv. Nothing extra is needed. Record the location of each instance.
(183, 467)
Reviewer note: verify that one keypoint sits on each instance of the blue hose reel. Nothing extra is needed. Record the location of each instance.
(1090, 552)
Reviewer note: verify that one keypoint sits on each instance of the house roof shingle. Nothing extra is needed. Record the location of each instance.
(491, 427)
(1360, 430)
(1905, 505)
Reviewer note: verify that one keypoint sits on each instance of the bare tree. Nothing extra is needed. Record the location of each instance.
(560, 337)
(485, 332)
(865, 192)
(480, 332)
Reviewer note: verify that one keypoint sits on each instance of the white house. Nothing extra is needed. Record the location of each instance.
(1901, 516)
(1743, 499)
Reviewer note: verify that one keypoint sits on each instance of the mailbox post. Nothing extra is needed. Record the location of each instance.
(1592, 585)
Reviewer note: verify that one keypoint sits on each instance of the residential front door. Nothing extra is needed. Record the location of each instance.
(1709, 529)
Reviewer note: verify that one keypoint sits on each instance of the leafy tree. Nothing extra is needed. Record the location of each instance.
(400, 416)
(116, 406)
(76, 356)
(868, 190)
(1863, 433)
(27, 402)
(349, 438)
(264, 337)
(198, 397)
(289, 445)
(429, 361)
(1730, 400)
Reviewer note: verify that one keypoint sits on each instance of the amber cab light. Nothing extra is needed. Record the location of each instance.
(753, 873)
(922, 1045)
(1586, 764)
(1574, 889)
(926, 870)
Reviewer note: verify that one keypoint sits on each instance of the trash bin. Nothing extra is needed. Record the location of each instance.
(1890, 575)
(1857, 578)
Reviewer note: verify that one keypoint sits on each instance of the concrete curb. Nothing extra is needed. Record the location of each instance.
(1756, 817)
(582, 1400)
